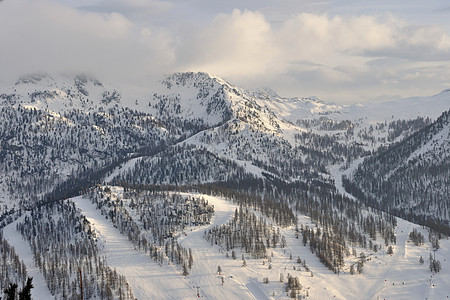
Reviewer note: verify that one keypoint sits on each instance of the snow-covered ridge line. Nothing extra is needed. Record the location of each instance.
(190, 85)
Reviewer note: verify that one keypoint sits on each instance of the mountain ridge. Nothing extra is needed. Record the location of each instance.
(187, 177)
(291, 139)
(410, 176)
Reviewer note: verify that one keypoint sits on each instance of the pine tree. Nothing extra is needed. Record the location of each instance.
(352, 270)
(191, 259)
(390, 250)
(25, 293)
(11, 291)
(185, 270)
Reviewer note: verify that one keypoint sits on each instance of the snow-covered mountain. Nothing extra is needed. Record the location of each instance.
(96, 126)
(269, 166)
(411, 177)
(60, 93)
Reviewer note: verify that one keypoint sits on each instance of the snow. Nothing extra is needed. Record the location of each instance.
(439, 140)
(147, 279)
(408, 108)
(207, 259)
(219, 149)
(397, 276)
(336, 172)
(23, 250)
(123, 168)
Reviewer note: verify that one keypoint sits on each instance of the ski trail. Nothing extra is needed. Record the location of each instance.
(204, 271)
(23, 250)
(147, 279)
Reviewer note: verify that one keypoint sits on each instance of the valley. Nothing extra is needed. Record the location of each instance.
(201, 189)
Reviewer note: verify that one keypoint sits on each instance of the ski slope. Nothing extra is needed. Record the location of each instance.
(147, 278)
(23, 250)
(207, 259)
(397, 276)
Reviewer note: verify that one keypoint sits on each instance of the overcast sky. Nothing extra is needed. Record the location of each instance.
(341, 51)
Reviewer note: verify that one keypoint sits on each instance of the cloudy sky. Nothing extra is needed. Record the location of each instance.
(344, 51)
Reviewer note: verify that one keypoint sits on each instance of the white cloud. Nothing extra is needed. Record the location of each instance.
(315, 35)
(338, 57)
(48, 36)
(243, 45)
(235, 44)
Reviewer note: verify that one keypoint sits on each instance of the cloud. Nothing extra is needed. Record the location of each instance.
(48, 36)
(135, 9)
(342, 58)
(338, 51)
(235, 44)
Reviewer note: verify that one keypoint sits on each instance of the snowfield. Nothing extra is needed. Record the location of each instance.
(396, 276)
(148, 279)
(207, 259)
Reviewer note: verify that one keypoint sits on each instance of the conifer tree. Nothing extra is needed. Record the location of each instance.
(11, 291)
(25, 293)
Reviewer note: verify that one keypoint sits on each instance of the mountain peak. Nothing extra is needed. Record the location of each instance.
(32, 78)
(190, 79)
(59, 92)
(314, 99)
(267, 92)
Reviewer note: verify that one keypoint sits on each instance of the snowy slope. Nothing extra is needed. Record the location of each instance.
(40, 290)
(411, 176)
(397, 276)
(205, 100)
(201, 95)
(193, 128)
(206, 259)
(295, 109)
(147, 278)
(242, 127)
(59, 93)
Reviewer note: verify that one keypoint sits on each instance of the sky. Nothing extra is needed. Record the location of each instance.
(343, 51)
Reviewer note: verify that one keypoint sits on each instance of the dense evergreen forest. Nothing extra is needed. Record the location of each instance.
(145, 166)
(410, 178)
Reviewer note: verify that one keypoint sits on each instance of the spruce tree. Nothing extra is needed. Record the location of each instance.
(25, 293)
(11, 291)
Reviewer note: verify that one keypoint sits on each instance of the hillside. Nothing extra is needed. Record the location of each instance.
(62, 133)
(410, 177)
(197, 188)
